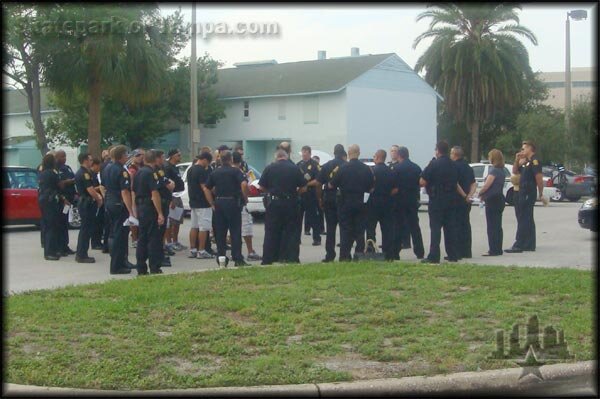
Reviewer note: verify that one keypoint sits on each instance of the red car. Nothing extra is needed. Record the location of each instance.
(20, 194)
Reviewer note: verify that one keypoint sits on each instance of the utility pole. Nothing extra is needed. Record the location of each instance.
(194, 131)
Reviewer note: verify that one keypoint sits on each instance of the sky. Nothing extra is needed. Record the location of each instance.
(306, 29)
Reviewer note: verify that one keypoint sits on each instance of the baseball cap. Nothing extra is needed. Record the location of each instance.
(224, 148)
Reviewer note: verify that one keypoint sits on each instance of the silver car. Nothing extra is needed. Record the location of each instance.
(255, 196)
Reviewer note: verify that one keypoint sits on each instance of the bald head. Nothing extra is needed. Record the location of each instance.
(285, 145)
(61, 157)
(353, 151)
(380, 156)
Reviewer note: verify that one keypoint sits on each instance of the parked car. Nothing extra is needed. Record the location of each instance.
(20, 194)
(568, 184)
(588, 215)
(255, 196)
(481, 171)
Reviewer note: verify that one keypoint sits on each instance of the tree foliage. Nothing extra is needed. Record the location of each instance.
(476, 61)
(140, 126)
(121, 52)
(21, 60)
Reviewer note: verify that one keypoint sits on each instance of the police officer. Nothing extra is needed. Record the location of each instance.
(327, 199)
(150, 214)
(98, 228)
(107, 228)
(531, 187)
(119, 208)
(165, 189)
(397, 212)
(354, 180)
(50, 201)
(379, 205)
(89, 201)
(441, 179)
(308, 200)
(320, 214)
(281, 180)
(407, 174)
(67, 188)
(467, 187)
(231, 194)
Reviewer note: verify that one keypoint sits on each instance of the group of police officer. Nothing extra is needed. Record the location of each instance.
(345, 190)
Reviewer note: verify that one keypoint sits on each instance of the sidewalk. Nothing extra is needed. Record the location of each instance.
(573, 379)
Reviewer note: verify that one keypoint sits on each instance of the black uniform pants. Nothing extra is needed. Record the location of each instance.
(352, 215)
(525, 224)
(331, 221)
(410, 211)
(149, 246)
(308, 211)
(228, 217)
(51, 211)
(87, 213)
(107, 228)
(463, 231)
(117, 240)
(398, 226)
(63, 226)
(162, 229)
(442, 218)
(98, 229)
(281, 244)
(379, 210)
(494, 207)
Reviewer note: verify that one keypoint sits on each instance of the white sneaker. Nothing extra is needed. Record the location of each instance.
(193, 254)
(204, 255)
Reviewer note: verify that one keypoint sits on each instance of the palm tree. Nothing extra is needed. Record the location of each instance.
(475, 61)
(118, 51)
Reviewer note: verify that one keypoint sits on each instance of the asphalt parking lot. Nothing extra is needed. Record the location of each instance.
(560, 243)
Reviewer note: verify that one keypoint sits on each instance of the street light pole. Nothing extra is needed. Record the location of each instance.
(577, 15)
(193, 88)
(567, 76)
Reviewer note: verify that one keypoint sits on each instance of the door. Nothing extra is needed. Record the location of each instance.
(21, 197)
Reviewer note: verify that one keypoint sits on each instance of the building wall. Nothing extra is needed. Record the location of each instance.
(391, 105)
(266, 126)
(583, 83)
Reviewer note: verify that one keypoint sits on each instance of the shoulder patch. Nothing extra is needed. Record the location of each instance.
(155, 176)
(535, 162)
(87, 176)
(125, 175)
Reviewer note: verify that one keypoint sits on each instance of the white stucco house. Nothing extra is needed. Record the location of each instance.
(370, 100)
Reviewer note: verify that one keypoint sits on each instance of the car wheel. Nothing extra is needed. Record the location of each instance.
(76, 222)
(573, 199)
(558, 196)
(510, 197)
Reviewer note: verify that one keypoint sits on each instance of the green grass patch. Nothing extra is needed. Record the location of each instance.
(286, 325)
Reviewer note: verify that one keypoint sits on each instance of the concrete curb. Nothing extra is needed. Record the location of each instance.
(573, 379)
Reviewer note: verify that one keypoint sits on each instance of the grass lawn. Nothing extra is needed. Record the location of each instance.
(287, 325)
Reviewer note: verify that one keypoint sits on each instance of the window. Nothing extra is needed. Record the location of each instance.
(246, 110)
(281, 106)
(24, 179)
(478, 171)
(311, 109)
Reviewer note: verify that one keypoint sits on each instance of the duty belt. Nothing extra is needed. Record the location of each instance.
(139, 200)
(225, 198)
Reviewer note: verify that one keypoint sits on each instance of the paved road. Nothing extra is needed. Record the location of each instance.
(560, 243)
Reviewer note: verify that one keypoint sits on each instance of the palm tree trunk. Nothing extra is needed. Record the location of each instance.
(94, 119)
(474, 128)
